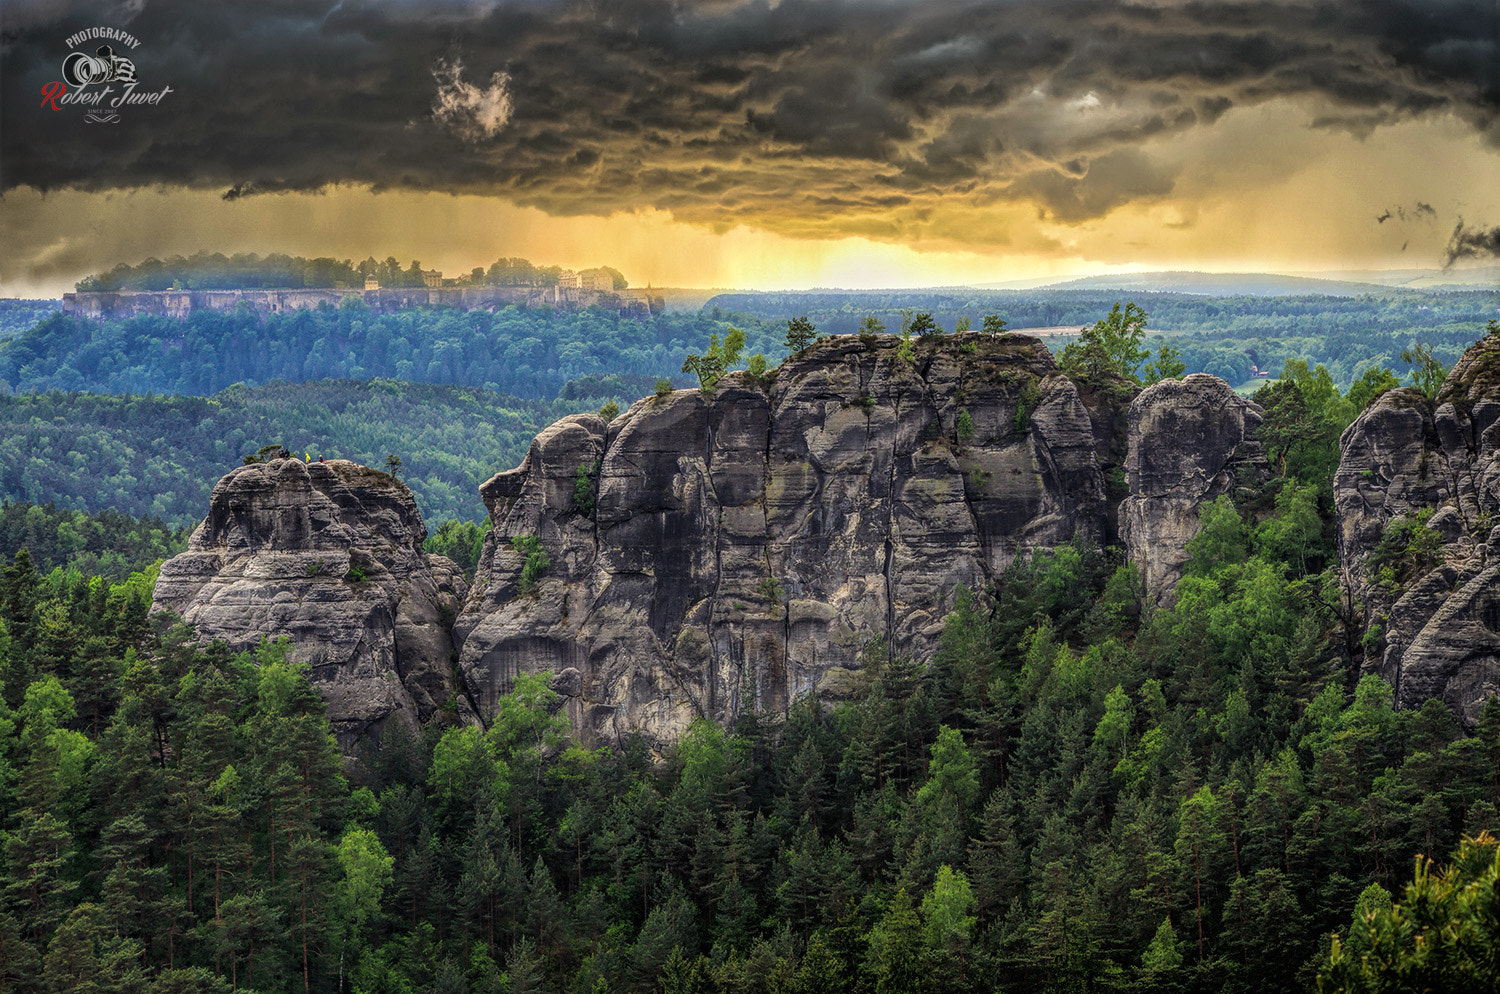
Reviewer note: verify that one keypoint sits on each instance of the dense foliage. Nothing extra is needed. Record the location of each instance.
(533, 353)
(1442, 936)
(18, 315)
(1185, 802)
(108, 544)
(171, 811)
(156, 456)
(460, 541)
(1110, 346)
(529, 353)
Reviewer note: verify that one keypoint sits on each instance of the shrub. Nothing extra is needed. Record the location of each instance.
(923, 325)
(1116, 484)
(965, 426)
(663, 387)
(611, 410)
(262, 454)
(907, 350)
(1407, 550)
(536, 562)
(1026, 403)
(585, 492)
(1111, 346)
(770, 588)
(1428, 371)
(356, 574)
(716, 360)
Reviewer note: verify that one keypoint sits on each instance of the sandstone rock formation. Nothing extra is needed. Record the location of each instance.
(744, 547)
(330, 555)
(713, 554)
(1432, 623)
(1191, 440)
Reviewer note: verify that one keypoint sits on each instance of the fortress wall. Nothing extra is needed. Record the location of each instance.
(180, 303)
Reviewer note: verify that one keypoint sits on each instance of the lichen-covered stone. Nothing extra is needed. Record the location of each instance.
(329, 555)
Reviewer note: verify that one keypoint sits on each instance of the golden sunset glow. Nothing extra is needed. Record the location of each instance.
(957, 144)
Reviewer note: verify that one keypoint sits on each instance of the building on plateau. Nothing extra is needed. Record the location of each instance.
(597, 280)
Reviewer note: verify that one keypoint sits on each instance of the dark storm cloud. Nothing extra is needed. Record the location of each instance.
(1471, 242)
(770, 111)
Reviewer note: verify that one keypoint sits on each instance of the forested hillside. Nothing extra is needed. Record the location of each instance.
(1065, 797)
(1218, 335)
(1073, 793)
(17, 316)
(528, 353)
(152, 455)
(108, 544)
(533, 353)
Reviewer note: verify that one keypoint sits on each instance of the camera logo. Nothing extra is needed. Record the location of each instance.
(104, 66)
(100, 83)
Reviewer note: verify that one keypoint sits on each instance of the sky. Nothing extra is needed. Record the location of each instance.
(800, 143)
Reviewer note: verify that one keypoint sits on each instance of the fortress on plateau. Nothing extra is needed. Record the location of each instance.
(180, 303)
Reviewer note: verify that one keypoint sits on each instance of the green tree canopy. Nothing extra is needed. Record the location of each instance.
(1111, 346)
(1441, 935)
(800, 333)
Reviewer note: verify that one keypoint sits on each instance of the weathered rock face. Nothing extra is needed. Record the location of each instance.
(746, 546)
(282, 552)
(722, 553)
(1436, 631)
(1191, 440)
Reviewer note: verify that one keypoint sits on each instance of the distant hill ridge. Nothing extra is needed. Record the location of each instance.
(1225, 284)
(1350, 283)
